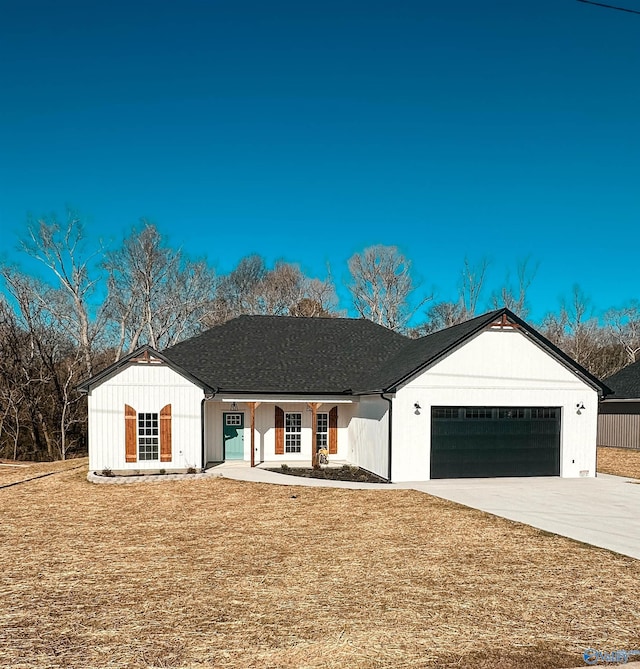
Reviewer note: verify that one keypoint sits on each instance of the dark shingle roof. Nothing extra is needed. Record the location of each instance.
(279, 354)
(286, 354)
(625, 383)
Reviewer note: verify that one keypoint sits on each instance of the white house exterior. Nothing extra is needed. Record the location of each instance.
(490, 397)
(147, 386)
(497, 368)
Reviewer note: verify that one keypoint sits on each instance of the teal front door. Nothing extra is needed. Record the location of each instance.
(233, 436)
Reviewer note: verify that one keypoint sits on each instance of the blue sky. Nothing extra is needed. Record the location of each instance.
(310, 130)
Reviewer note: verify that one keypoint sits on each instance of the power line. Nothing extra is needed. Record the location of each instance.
(620, 9)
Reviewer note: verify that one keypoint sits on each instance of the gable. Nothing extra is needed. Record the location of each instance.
(147, 375)
(499, 359)
(144, 358)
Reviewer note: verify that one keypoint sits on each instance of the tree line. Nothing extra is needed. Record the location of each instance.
(90, 305)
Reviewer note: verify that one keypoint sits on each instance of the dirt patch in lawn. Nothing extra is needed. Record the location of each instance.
(222, 573)
(345, 473)
(619, 461)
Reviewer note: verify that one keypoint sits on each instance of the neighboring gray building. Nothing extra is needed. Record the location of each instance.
(619, 419)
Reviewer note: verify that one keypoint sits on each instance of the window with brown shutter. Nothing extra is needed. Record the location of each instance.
(333, 431)
(130, 434)
(279, 425)
(165, 434)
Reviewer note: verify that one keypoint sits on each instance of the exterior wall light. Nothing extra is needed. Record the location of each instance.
(579, 408)
(417, 408)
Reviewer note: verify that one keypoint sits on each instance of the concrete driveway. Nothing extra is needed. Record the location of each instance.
(602, 511)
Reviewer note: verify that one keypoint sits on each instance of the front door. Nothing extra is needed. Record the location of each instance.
(233, 436)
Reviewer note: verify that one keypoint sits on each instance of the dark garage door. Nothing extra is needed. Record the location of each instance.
(469, 442)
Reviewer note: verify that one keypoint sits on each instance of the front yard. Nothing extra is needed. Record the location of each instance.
(218, 573)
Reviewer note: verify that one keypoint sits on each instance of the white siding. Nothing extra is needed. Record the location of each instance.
(146, 388)
(265, 440)
(368, 436)
(496, 368)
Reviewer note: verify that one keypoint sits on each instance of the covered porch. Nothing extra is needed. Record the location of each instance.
(271, 430)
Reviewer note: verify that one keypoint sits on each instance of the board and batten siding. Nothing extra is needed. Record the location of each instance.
(497, 368)
(147, 388)
(368, 436)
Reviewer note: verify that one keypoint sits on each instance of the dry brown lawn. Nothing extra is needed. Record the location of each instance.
(619, 461)
(218, 573)
(12, 471)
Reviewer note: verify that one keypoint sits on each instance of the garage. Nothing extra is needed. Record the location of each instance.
(482, 442)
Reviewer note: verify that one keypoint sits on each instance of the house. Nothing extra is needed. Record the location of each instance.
(619, 419)
(488, 397)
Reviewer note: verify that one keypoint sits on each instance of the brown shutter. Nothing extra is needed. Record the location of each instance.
(165, 434)
(130, 434)
(333, 431)
(279, 423)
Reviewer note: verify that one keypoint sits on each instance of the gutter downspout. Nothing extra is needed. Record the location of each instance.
(389, 435)
(206, 397)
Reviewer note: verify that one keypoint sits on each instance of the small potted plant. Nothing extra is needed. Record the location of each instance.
(323, 457)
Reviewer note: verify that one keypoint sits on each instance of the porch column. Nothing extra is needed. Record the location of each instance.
(314, 406)
(252, 409)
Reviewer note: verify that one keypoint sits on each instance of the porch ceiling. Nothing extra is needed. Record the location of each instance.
(285, 398)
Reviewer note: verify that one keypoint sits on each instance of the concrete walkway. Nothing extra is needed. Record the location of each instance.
(602, 511)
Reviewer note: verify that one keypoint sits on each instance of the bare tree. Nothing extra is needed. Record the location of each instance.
(472, 283)
(382, 287)
(287, 290)
(441, 315)
(320, 300)
(156, 295)
(281, 288)
(62, 249)
(577, 332)
(238, 292)
(515, 297)
(445, 314)
(252, 288)
(624, 325)
(39, 368)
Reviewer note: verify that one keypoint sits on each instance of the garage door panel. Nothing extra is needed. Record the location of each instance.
(493, 441)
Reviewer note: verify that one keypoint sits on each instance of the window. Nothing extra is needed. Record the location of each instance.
(234, 419)
(446, 412)
(322, 431)
(148, 436)
(544, 412)
(511, 413)
(292, 432)
(477, 414)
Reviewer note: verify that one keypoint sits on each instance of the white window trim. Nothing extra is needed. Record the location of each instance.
(324, 432)
(148, 431)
